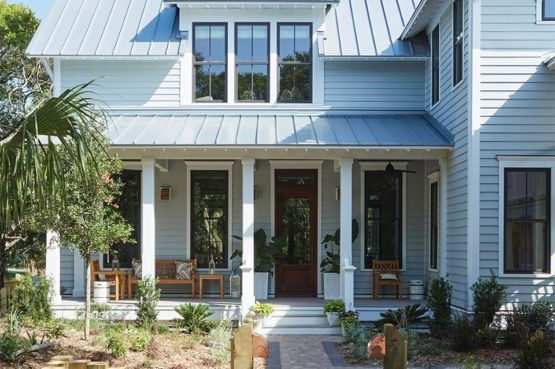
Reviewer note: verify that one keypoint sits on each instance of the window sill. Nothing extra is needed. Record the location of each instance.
(460, 83)
(433, 270)
(527, 275)
(546, 21)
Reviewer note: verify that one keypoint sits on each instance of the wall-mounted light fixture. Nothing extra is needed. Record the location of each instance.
(256, 192)
(165, 193)
(337, 193)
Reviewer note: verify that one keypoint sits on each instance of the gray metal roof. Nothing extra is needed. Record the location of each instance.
(119, 28)
(236, 129)
(371, 28)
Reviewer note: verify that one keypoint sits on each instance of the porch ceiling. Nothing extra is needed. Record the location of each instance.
(268, 130)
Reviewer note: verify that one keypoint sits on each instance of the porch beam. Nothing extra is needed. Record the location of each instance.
(247, 265)
(345, 224)
(148, 222)
(53, 265)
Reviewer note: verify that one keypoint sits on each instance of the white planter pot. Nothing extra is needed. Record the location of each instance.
(333, 318)
(101, 292)
(261, 286)
(331, 286)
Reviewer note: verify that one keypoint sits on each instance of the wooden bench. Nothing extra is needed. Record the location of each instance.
(166, 274)
(387, 273)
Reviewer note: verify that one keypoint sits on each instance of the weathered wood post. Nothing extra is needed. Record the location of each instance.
(395, 349)
(241, 348)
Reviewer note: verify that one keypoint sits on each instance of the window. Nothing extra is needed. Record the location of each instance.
(129, 204)
(252, 48)
(458, 32)
(548, 10)
(209, 217)
(383, 216)
(295, 63)
(435, 65)
(527, 220)
(209, 65)
(434, 224)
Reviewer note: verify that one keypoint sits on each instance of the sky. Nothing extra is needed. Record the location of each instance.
(39, 6)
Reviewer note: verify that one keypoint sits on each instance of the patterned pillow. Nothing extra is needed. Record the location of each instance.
(184, 270)
(137, 269)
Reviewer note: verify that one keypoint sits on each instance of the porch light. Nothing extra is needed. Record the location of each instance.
(255, 192)
(337, 193)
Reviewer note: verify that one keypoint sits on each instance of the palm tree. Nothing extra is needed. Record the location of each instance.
(31, 153)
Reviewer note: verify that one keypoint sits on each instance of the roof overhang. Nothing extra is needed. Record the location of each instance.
(550, 62)
(251, 4)
(422, 16)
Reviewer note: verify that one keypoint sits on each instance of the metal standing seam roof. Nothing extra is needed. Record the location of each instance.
(407, 130)
(371, 28)
(118, 28)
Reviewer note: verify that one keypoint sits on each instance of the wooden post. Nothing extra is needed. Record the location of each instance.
(58, 364)
(78, 364)
(395, 349)
(98, 365)
(241, 354)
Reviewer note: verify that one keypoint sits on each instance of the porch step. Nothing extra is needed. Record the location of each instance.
(301, 330)
(295, 320)
(289, 320)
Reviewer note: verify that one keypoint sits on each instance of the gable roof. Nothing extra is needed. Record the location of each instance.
(423, 14)
(97, 28)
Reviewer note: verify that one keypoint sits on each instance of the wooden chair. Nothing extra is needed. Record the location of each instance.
(116, 279)
(387, 273)
(166, 274)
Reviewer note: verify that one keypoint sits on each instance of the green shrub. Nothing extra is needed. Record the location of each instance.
(138, 339)
(488, 297)
(349, 325)
(528, 318)
(462, 333)
(10, 342)
(115, 342)
(334, 306)
(486, 337)
(219, 340)
(31, 298)
(194, 317)
(147, 296)
(405, 318)
(262, 309)
(439, 303)
(360, 343)
(54, 329)
(536, 353)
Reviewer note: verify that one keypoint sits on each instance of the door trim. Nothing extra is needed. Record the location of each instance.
(298, 164)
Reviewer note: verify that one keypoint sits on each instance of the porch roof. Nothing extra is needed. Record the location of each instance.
(278, 130)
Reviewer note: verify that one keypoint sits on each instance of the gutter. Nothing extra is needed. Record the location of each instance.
(550, 63)
(413, 19)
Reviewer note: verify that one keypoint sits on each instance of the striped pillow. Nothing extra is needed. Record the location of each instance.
(137, 269)
(184, 270)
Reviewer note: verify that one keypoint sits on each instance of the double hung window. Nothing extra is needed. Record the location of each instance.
(252, 61)
(209, 64)
(458, 38)
(435, 65)
(295, 62)
(548, 10)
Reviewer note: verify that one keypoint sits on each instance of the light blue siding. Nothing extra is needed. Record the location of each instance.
(66, 272)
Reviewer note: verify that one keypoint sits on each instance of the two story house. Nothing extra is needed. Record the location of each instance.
(431, 123)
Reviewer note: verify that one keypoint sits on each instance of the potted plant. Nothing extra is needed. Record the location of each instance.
(332, 309)
(259, 312)
(330, 266)
(349, 322)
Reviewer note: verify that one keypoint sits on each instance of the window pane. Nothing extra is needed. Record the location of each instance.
(210, 83)
(202, 43)
(457, 18)
(296, 229)
(525, 247)
(252, 82)
(202, 77)
(217, 43)
(209, 207)
(260, 43)
(433, 225)
(435, 65)
(302, 43)
(458, 63)
(548, 9)
(218, 82)
(294, 83)
(515, 195)
(244, 43)
(286, 43)
(536, 194)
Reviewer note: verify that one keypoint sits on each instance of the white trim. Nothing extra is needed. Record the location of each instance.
(463, 76)
(299, 164)
(374, 166)
(443, 188)
(57, 82)
(433, 177)
(539, 14)
(524, 162)
(210, 165)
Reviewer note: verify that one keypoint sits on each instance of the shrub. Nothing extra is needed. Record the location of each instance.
(115, 342)
(486, 337)
(138, 339)
(439, 303)
(99, 311)
(462, 333)
(54, 329)
(349, 317)
(219, 340)
(147, 296)
(262, 309)
(31, 298)
(528, 318)
(194, 317)
(334, 306)
(405, 318)
(360, 344)
(488, 297)
(536, 353)
(10, 342)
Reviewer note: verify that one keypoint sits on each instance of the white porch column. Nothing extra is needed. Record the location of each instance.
(53, 264)
(345, 224)
(247, 265)
(443, 217)
(148, 195)
(78, 275)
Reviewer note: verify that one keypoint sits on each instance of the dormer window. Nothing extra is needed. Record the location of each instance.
(548, 10)
(209, 64)
(252, 61)
(295, 62)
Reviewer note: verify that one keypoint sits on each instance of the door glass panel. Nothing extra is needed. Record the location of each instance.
(296, 229)
(297, 178)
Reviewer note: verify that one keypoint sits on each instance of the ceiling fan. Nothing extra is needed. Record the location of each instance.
(391, 169)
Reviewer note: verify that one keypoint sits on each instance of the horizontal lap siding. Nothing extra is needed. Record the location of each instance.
(517, 118)
(66, 271)
(374, 85)
(451, 112)
(126, 82)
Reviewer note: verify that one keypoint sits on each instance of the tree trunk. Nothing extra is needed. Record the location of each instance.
(88, 297)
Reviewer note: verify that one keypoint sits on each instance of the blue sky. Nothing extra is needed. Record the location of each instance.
(39, 6)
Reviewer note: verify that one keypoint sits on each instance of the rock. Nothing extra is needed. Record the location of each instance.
(376, 347)
(260, 346)
(396, 349)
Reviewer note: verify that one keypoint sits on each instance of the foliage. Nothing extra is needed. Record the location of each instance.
(31, 298)
(219, 340)
(10, 342)
(462, 333)
(261, 309)
(266, 254)
(334, 306)
(528, 318)
(116, 343)
(536, 353)
(138, 339)
(101, 311)
(331, 263)
(359, 336)
(147, 300)
(194, 317)
(349, 317)
(469, 363)
(439, 303)
(405, 318)
(488, 297)
(486, 337)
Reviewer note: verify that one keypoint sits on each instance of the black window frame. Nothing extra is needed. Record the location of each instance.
(197, 63)
(547, 220)
(458, 41)
(434, 226)
(311, 63)
(544, 17)
(267, 63)
(435, 66)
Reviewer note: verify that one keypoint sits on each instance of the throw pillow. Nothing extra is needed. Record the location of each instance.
(137, 269)
(184, 270)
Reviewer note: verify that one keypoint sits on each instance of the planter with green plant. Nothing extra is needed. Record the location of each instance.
(330, 266)
(349, 324)
(332, 309)
(259, 312)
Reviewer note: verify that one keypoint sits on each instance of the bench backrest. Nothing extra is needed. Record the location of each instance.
(385, 266)
(166, 269)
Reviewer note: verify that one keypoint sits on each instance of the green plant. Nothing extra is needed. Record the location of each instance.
(31, 298)
(536, 353)
(147, 296)
(331, 263)
(462, 333)
(488, 297)
(115, 342)
(349, 317)
(334, 306)
(219, 340)
(486, 337)
(405, 318)
(194, 317)
(261, 309)
(528, 318)
(265, 253)
(138, 339)
(360, 343)
(469, 363)
(54, 329)
(11, 345)
(439, 303)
